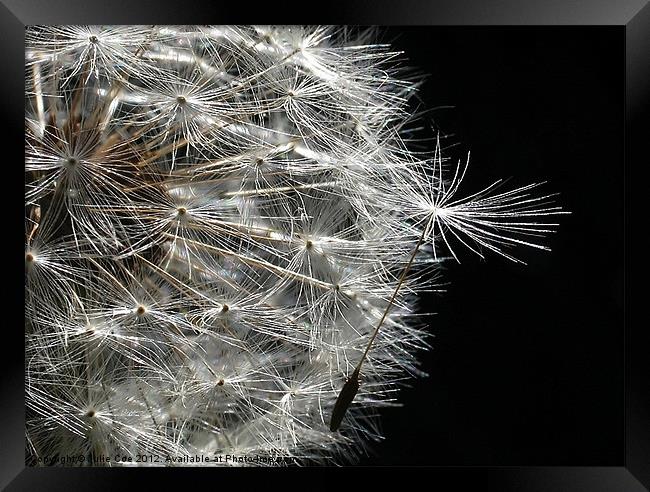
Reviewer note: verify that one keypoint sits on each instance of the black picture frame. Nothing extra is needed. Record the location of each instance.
(632, 17)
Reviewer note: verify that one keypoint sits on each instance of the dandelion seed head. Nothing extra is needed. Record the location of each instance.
(216, 221)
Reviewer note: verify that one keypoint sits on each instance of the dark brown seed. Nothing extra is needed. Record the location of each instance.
(344, 400)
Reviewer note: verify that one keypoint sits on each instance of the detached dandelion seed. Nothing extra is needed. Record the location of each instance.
(225, 234)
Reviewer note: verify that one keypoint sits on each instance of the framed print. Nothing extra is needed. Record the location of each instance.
(383, 238)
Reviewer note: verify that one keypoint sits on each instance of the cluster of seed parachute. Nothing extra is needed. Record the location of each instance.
(216, 219)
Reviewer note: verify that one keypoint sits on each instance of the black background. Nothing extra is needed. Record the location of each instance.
(527, 363)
